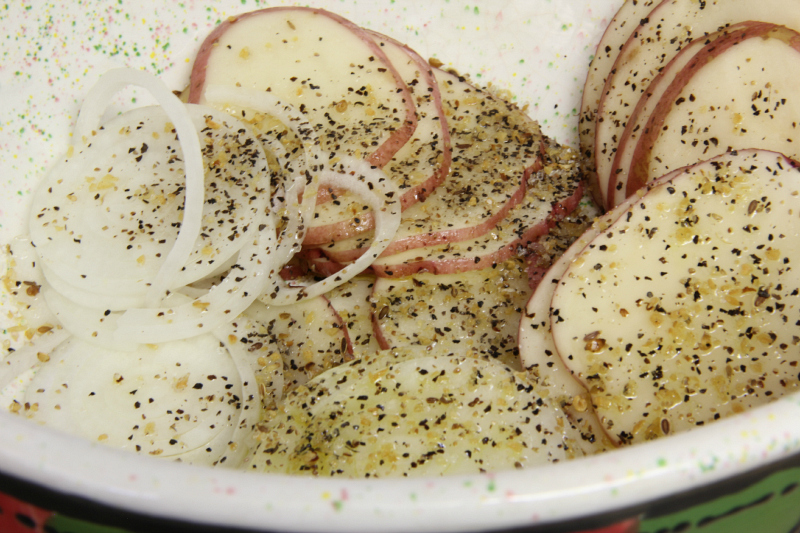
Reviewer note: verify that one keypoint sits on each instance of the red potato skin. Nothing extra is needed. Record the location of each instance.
(313, 260)
(320, 235)
(535, 273)
(344, 229)
(384, 153)
(559, 211)
(638, 174)
(618, 173)
(420, 192)
(322, 265)
(463, 264)
(340, 324)
(443, 237)
(589, 117)
(377, 331)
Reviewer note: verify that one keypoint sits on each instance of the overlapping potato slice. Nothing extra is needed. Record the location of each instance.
(683, 311)
(472, 313)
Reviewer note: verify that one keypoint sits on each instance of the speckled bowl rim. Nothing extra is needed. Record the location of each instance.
(544, 495)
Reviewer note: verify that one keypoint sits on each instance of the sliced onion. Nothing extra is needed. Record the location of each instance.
(19, 361)
(94, 326)
(375, 188)
(310, 164)
(89, 121)
(82, 234)
(177, 400)
(368, 182)
(220, 305)
(241, 339)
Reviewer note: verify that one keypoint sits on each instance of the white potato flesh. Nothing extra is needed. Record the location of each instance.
(399, 415)
(551, 193)
(176, 400)
(312, 333)
(685, 309)
(497, 148)
(472, 313)
(738, 92)
(615, 177)
(537, 350)
(330, 69)
(417, 168)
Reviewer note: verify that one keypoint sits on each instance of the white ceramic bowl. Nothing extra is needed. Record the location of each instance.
(741, 468)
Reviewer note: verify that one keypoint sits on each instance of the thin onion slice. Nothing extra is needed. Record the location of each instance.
(19, 361)
(373, 186)
(104, 217)
(241, 339)
(89, 121)
(313, 160)
(222, 303)
(94, 326)
(368, 182)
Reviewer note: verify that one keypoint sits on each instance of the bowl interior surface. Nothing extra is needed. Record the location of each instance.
(538, 50)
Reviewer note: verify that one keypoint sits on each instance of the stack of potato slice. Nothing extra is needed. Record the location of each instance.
(680, 305)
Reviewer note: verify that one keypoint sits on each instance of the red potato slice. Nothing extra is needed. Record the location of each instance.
(499, 148)
(418, 168)
(352, 303)
(351, 93)
(618, 31)
(349, 81)
(548, 248)
(553, 193)
(473, 313)
(684, 310)
(668, 28)
(665, 87)
(738, 92)
(537, 349)
(397, 414)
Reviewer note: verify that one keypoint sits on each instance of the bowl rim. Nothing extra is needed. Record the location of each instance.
(755, 441)
(77, 507)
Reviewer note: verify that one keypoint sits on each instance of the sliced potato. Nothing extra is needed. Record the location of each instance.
(312, 333)
(351, 301)
(394, 414)
(735, 90)
(684, 310)
(537, 349)
(668, 28)
(472, 313)
(625, 21)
